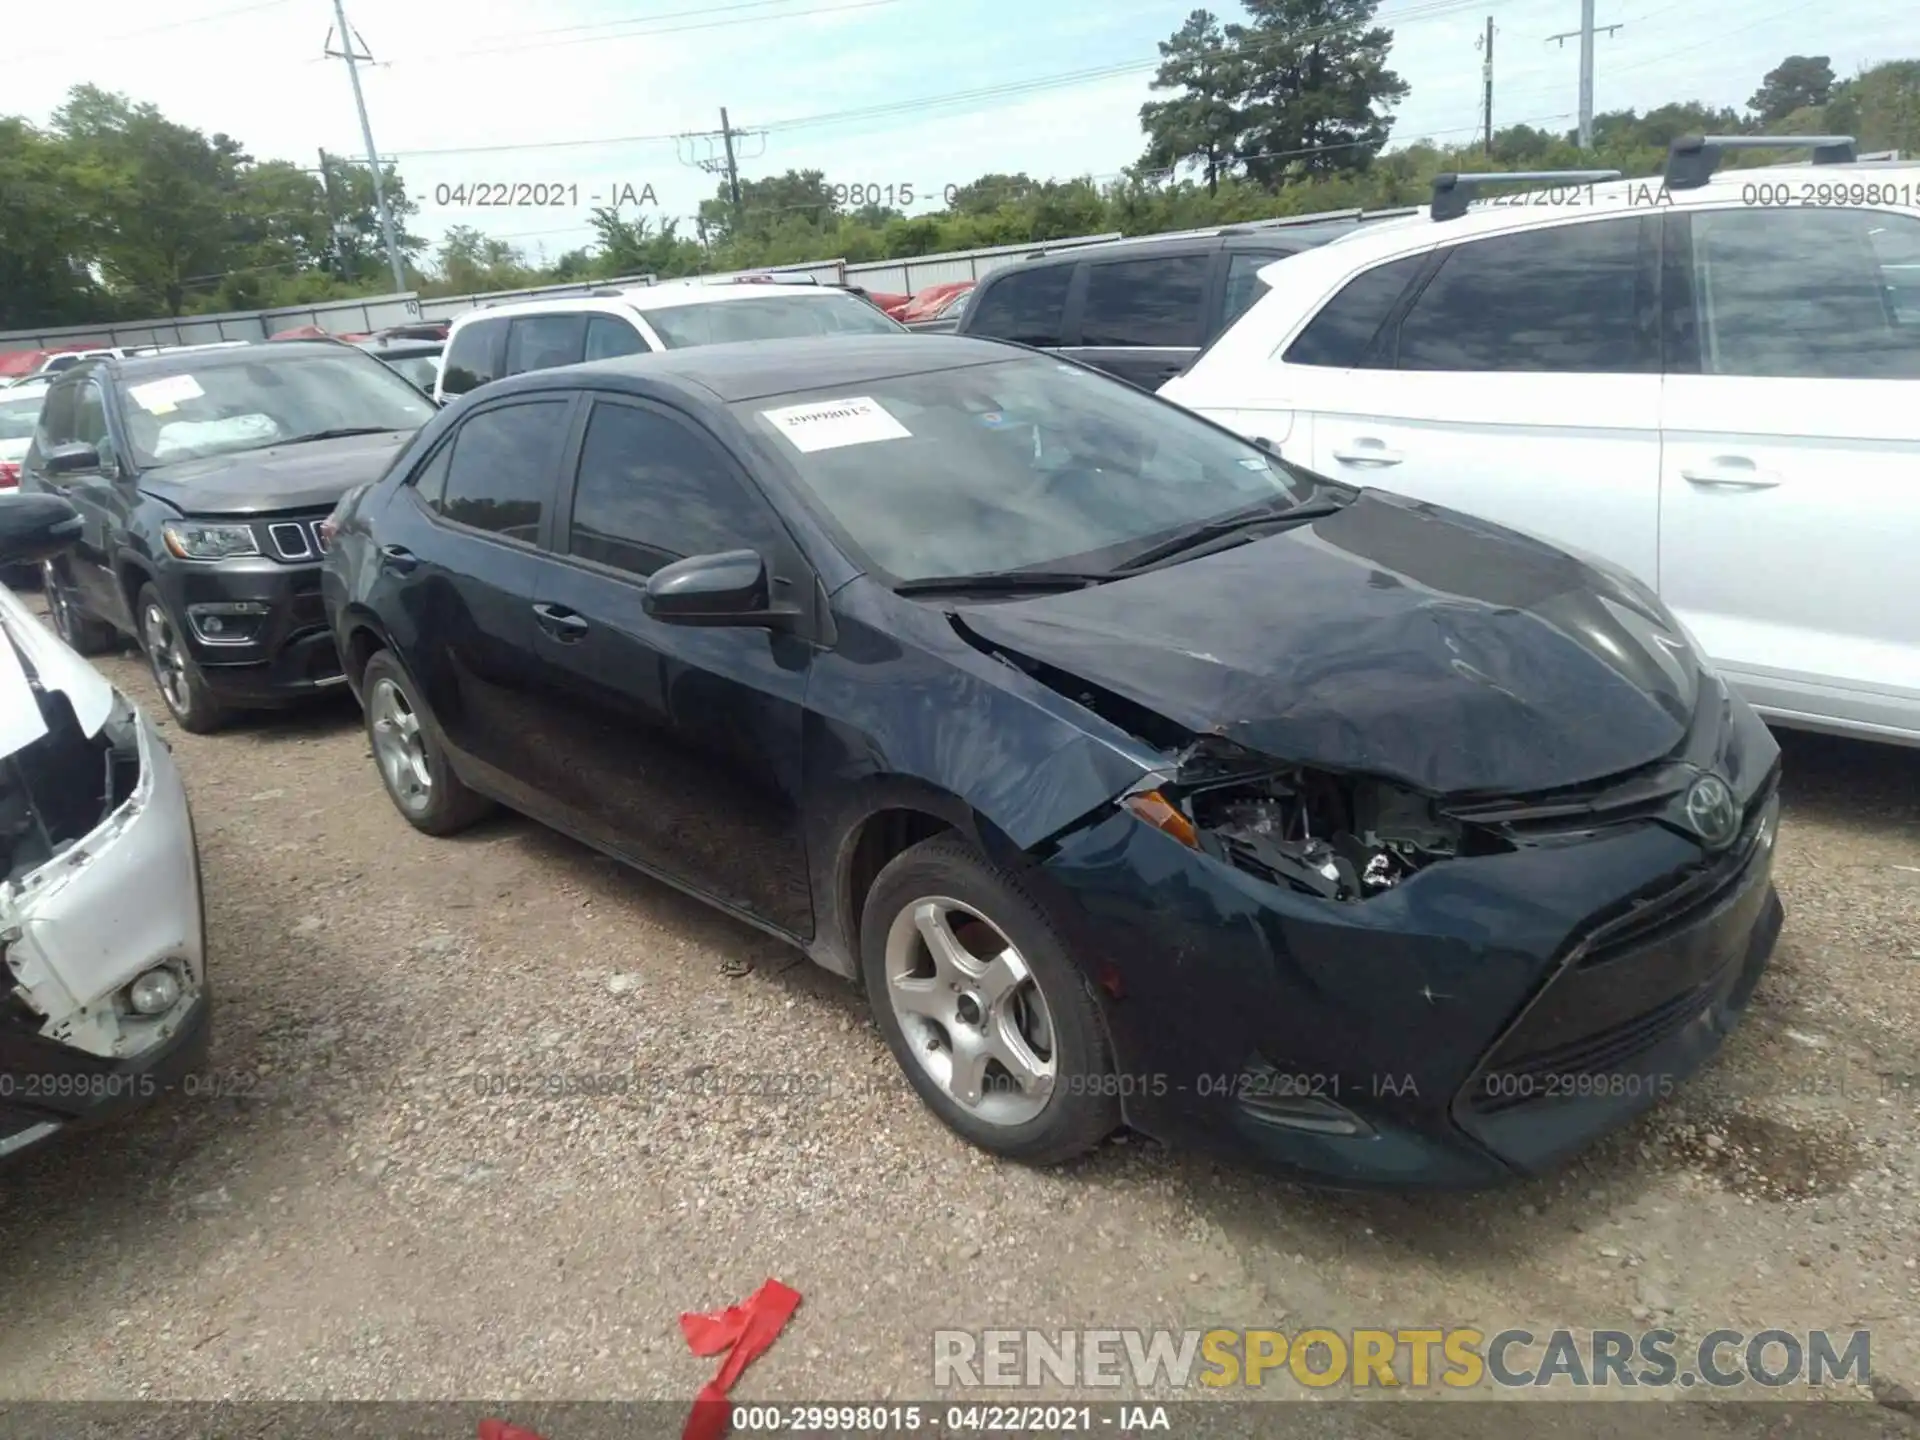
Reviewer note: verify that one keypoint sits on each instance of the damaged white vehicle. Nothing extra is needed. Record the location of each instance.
(102, 926)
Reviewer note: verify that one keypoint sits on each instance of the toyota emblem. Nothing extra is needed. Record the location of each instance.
(1712, 813)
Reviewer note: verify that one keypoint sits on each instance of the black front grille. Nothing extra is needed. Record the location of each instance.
(296, 540)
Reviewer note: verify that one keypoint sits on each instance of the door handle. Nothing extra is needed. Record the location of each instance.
(561, 623)
(398, 559)
(1367, 451)
(1730, 472)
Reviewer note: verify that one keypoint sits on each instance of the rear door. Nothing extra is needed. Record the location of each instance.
(1521, 383)
(476, 356)
(460, 549)
(1790, 485)
(682, 743)
(1144, 320)
(609, 336)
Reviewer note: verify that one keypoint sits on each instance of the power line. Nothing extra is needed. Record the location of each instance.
(1433, 10)
(94, 43)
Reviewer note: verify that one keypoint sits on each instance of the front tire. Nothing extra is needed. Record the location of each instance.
(411, 756)
(175, 673)
(990, 1017)
(83, 634)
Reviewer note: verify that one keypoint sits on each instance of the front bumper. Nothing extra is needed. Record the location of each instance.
(288, 653)
(123, 900)
(1483, 1020)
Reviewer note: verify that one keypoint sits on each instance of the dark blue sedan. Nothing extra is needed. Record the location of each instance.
(1140, 777)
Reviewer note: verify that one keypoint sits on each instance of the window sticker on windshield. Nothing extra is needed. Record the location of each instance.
(830, 424)
(157, 397)
(1251, 464)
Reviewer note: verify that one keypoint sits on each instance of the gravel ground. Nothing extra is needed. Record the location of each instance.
(353, 1217)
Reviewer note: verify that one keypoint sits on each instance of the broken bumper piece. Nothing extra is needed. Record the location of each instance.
(1482, 1017)
(105, 949)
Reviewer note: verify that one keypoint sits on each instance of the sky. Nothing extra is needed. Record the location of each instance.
(882, 93)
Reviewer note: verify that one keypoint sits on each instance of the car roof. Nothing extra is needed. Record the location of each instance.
(666, 295)
(136, 367)
(754, 369)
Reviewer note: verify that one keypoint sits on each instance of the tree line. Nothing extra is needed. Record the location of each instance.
(112, 211)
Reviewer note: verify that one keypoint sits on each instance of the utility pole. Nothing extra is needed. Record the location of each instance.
(355, 59)
(733, 168)
(1486, 83)
(727, 163)
(1585, 32)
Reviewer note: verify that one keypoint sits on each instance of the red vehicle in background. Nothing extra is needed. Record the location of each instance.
(938, 306)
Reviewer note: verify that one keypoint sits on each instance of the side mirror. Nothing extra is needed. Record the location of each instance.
(72, 458)
(730, 588)
(36, 527)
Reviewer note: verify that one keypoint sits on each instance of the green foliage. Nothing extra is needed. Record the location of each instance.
(113, 211)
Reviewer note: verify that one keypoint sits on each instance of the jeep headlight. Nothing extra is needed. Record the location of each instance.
(200, 540)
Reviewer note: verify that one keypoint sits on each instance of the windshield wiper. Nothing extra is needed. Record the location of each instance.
(1001, 582)
(1198, 535)
(339, 434)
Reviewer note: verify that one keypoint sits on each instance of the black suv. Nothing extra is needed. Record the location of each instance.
(201, 478)
(1143, 309)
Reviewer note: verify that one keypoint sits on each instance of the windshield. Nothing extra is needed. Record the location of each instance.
(768, 317)
(1010, 465)
(226, 408)
(18, 414)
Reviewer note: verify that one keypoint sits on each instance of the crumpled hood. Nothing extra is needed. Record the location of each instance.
(281, 477)
(1394, 638)
(30, 647)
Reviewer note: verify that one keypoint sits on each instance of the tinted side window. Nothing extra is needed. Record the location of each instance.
(473, 359)
(1025, 306)
(1244, 285)
(57, 416)
(90, 422)
(1819, 293)
(430, 481)
(608, 337)
(1146, 302)
(502, 468)
(1342, 332)
(1568, 299)
(540, 342)
(651, 490)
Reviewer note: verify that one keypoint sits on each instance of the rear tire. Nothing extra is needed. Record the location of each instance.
(82, 633)
(991, 1018)
(410, 753)
(175, 673)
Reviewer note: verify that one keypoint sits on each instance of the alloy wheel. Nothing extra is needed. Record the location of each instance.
(166, 657)
(971, 1010)
(398, 746)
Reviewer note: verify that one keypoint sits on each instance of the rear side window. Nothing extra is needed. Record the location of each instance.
(541, 342)
(1565, 300)
(609, 336)
(1819, 293)
(1244, 285)
(1025, 306)
(1342, 333)
(1147, 302)
(501, 472)
(473, 358)
(651, 490)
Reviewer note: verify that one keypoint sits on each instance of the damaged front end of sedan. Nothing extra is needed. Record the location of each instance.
(1333, 836)
(101, 916)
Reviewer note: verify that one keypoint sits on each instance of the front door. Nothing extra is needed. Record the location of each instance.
(1522, 386)
(684, 743)
(1789, 488)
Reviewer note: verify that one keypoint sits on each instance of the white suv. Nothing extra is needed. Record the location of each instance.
(1711, 380)
(501, 340)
